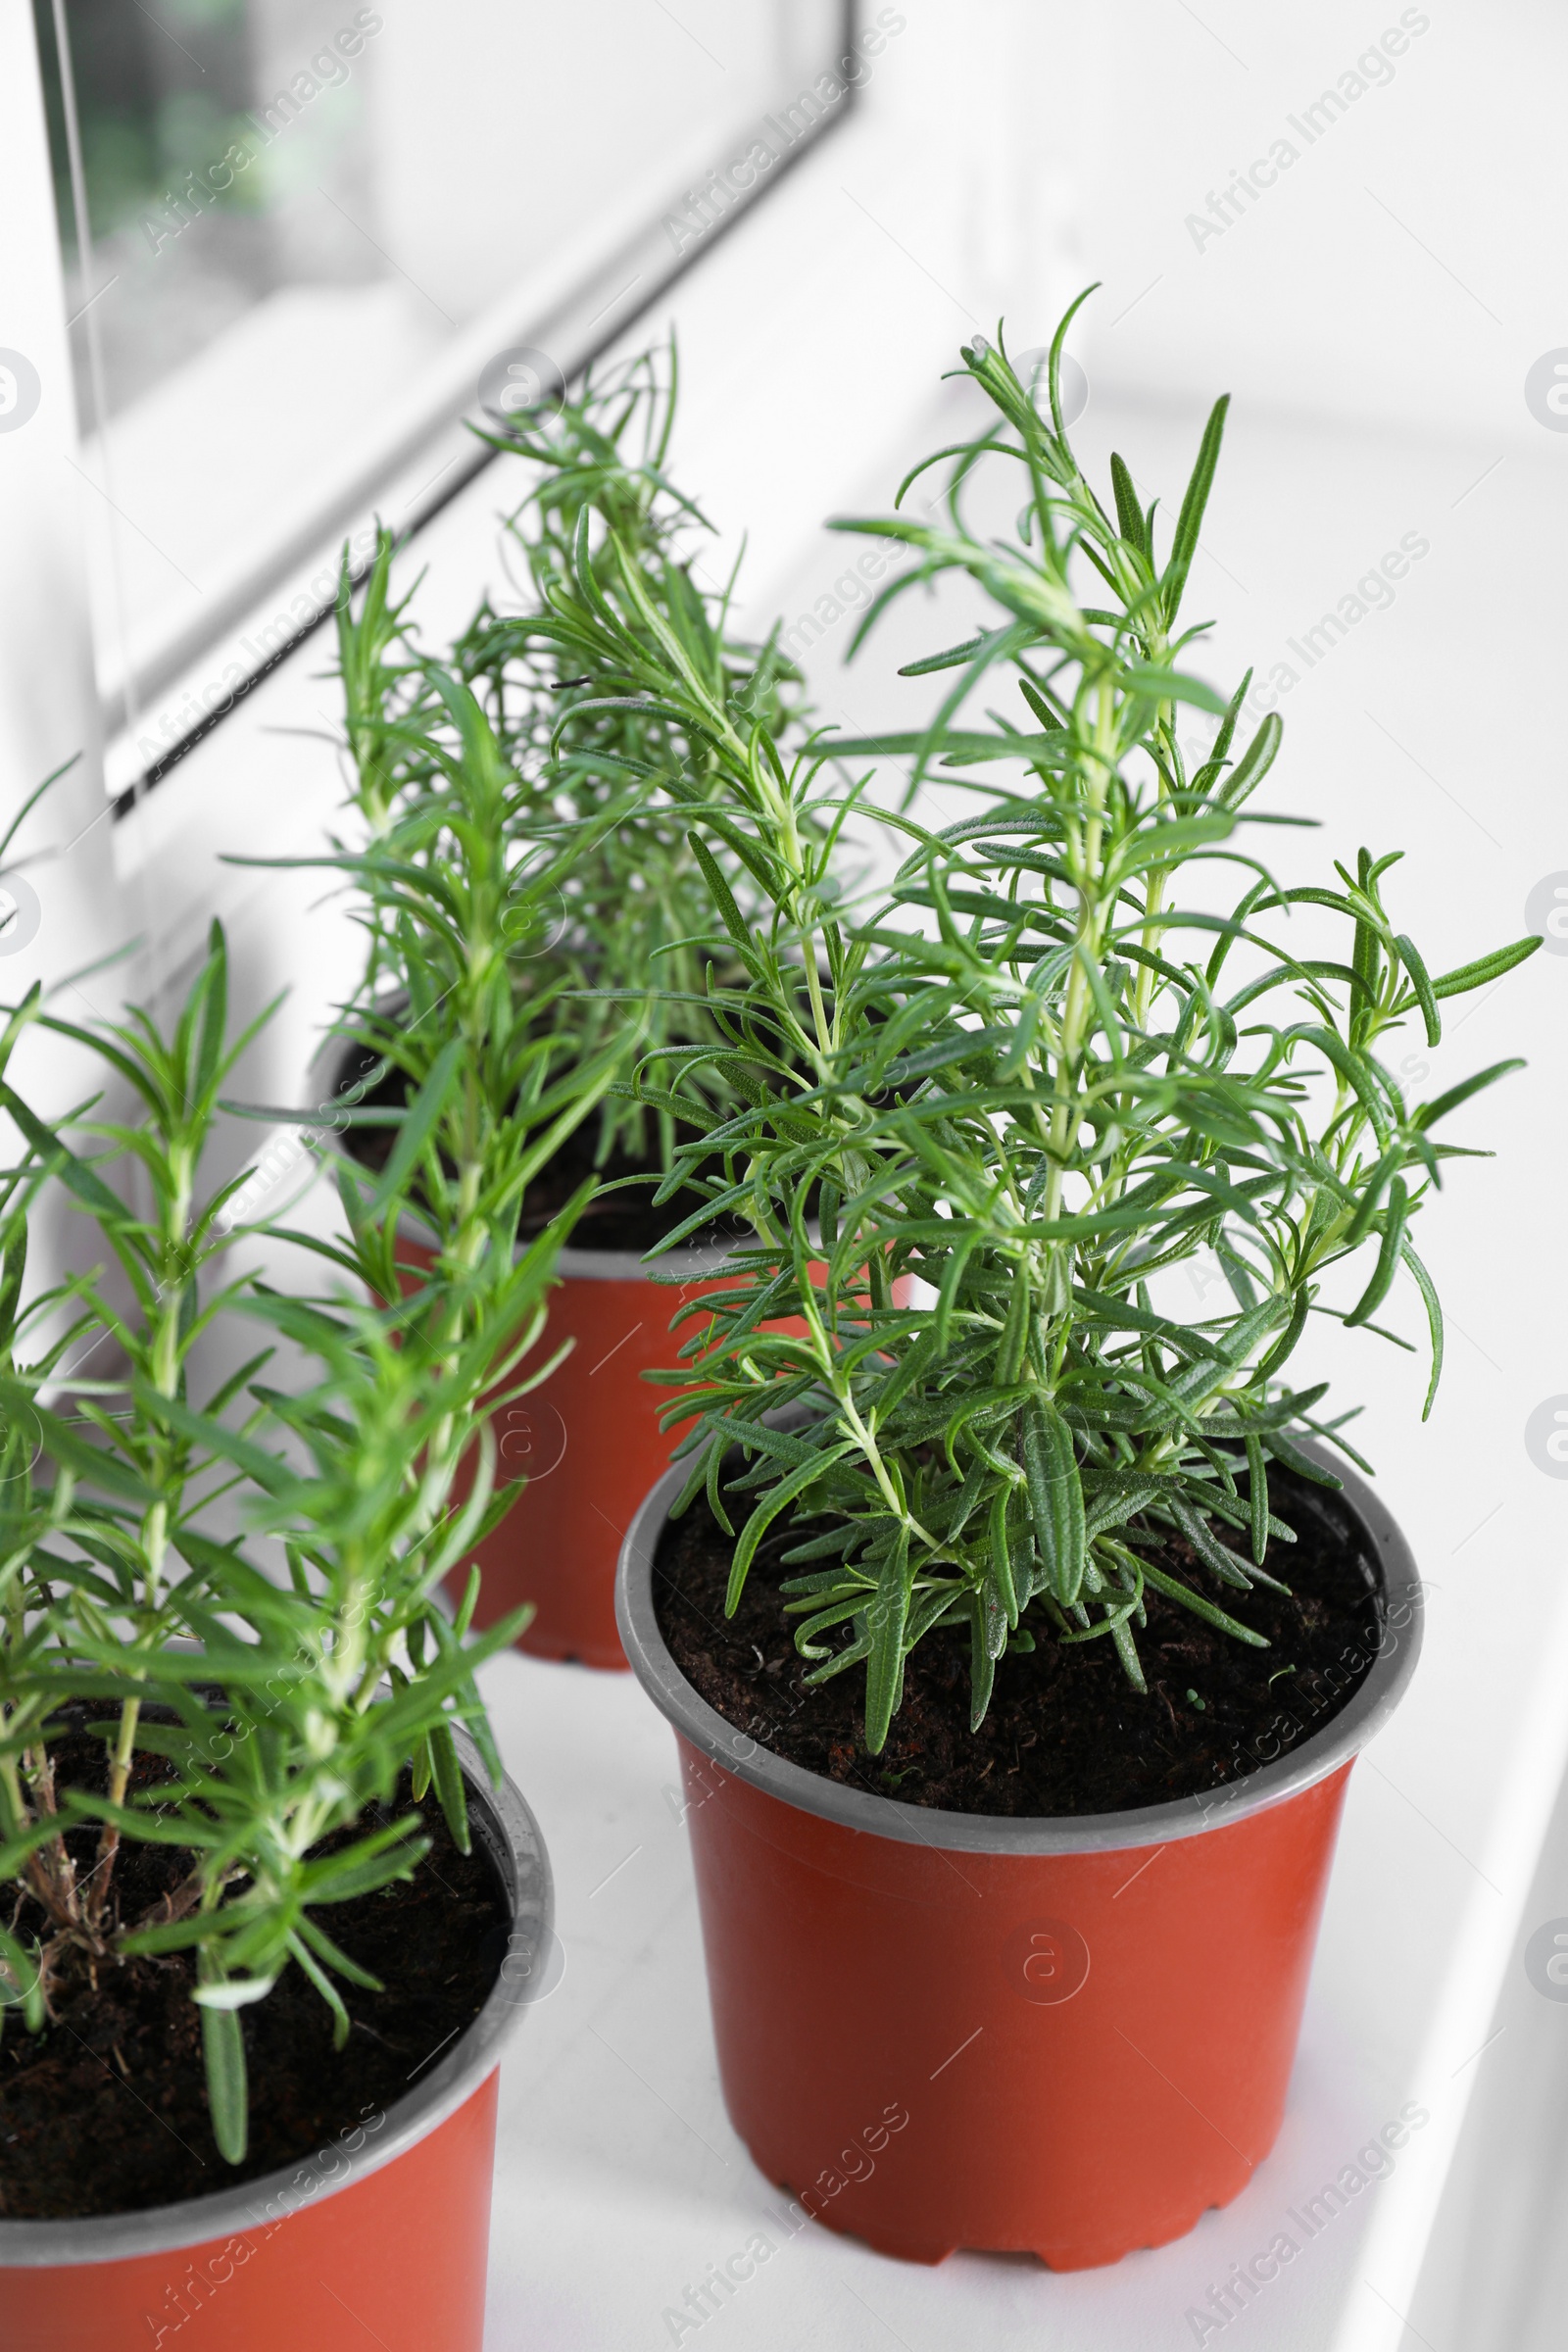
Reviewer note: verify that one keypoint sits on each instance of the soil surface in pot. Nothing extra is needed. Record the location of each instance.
(104, 2110)
(1066, 1732)
(623, 1221)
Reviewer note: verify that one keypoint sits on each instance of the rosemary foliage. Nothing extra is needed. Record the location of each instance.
(619, 955)
(237, 1584)
(990, 1116)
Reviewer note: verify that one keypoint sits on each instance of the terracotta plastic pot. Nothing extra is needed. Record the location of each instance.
(382, 2236)
(589, 1443)
(589, 1440)
(1061, 2037)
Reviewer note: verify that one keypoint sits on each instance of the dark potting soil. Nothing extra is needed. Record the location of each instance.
(626, 1220)
(621, 1220)
(104, 2110)
(1066, 1732)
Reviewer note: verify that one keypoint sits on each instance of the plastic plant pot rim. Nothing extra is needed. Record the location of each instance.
(503, 1821)
(865, 1810)
(674, 1266)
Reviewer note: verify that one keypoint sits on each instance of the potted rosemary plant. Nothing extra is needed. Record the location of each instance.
(248, 2040)
(524, 746)
(1057, 1610)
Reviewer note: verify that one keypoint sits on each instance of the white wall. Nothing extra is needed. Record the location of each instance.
(1407, 264)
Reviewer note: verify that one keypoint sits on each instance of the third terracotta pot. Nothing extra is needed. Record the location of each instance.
(1063, 2036)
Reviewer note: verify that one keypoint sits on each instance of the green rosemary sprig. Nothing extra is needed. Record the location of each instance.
(994, 1116)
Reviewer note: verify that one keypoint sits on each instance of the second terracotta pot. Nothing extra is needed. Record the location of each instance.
(1061, 2037)
(588, 1442)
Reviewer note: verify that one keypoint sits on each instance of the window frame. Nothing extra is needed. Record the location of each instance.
(576, 338)
(421, 457)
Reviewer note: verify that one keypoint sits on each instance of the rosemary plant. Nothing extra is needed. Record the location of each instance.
(461, 1007)
(583, 762)
(1037, 1078)
(236, 1586)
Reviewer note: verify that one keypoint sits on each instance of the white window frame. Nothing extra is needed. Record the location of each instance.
(161, 672)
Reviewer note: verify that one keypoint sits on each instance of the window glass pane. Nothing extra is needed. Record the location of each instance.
(313, 225)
